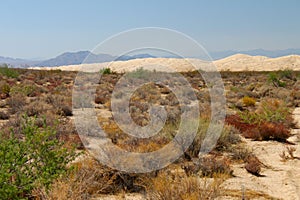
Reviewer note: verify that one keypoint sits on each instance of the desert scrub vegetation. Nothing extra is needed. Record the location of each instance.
(282, 77)
(49, 103)
(34, 160)
(139, 73)
(228, 137)
(270, 121)
(275, 80)
(8, 72)
(4, 89)
(269, 110)
(27, 90)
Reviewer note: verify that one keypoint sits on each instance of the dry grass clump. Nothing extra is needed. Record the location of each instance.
(181, 187)
(89, 179)
(288, 154)
(36, 108)
(61, 104)
(228, 137)
(240, 153)
(16, 103)
(209, 166)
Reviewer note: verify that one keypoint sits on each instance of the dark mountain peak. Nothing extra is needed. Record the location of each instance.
(75, 58)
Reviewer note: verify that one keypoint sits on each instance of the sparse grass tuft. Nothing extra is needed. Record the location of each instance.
(288, 154)
(181, 187)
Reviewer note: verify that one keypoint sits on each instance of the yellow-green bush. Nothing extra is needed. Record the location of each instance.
(248, 101)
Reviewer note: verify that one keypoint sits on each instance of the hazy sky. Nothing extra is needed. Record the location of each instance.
(43, 29)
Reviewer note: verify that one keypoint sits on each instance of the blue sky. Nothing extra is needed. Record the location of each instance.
(43, 29)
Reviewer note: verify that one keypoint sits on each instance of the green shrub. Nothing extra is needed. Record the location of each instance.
(139, 73)
(275, 79)
(27, 90)
(4, 88)
(286, 73)
(8, 72)
(34, 161)
(270, 110)
(229, 136)
(106, 71)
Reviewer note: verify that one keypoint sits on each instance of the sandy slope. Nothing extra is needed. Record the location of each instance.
(238, 62)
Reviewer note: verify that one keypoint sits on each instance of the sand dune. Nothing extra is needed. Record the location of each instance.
(238, 62)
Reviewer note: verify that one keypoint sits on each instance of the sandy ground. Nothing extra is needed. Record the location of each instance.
(280, 179)
(238, 62)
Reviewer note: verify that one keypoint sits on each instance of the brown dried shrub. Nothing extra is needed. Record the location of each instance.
(16, 103)
(268, 131)
(260, 131)
(237, 122)
(209, 166)
(253, 165)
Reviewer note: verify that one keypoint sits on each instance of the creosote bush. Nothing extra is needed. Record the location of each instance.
(35, 160)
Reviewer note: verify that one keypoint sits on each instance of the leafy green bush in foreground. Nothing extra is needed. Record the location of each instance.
(36, 160)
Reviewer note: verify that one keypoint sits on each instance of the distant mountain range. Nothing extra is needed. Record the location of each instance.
(74, 58)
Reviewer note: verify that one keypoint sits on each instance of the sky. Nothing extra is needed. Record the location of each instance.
(35, 29)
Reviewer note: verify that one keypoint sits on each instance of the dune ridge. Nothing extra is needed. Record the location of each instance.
(238, 62)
